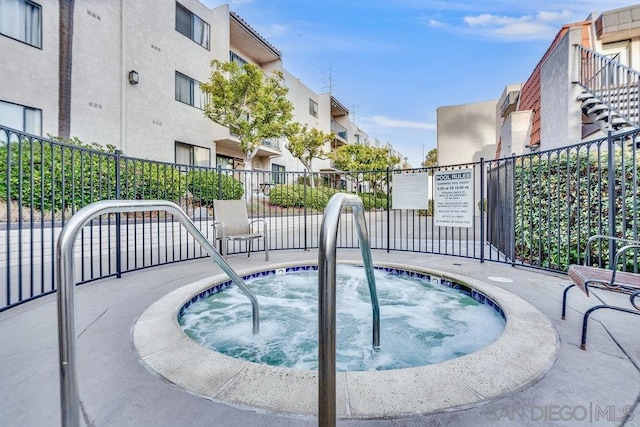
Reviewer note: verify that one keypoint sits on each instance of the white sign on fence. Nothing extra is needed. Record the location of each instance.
(409, 191)
(453, 198)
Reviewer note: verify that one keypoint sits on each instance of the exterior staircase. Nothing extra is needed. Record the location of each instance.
(610, 97)
(604, 115)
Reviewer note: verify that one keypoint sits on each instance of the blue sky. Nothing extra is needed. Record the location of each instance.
(393, 63)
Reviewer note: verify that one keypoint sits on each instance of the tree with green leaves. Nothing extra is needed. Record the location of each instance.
(307, 144)
(431, 159)
(252, 104)
(356, 158)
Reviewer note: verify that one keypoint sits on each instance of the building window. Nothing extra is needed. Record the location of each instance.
(278, 176)
(313, 108)
(19, 117)
(188, 91)
(234, 57)
(21, 20)
(224, 162)
(192, 26)
(192, 155)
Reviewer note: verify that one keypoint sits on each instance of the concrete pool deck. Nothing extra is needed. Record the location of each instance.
(595, 387)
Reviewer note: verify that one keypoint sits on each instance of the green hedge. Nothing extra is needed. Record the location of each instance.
(144, 180)
(298, 196)
(374, 201)
(293, 195)
(562, 200)
(209, 185)
(53, 176)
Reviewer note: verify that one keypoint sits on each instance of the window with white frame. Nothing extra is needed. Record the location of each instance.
(192, 155)
(21, 20)
(19, 117)
(190, 25)
(188, 91)
(313, 108)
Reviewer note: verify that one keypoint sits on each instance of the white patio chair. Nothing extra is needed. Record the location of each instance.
(231, 223)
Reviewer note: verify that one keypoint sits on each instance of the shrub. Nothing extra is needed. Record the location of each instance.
(293, 195)
(374, 201)
(296, 195)
(561, 200)
(65, 176)
(207, 185)
(144, 180)
(57, 176)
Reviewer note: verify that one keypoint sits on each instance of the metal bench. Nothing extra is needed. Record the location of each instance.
(586, 276)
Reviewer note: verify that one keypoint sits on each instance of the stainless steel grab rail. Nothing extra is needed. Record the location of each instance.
(327, 298)
(69, 397)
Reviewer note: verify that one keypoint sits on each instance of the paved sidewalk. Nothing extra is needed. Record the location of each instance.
(594, 387)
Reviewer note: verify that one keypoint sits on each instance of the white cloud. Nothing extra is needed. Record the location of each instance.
(505, 20)
(489, 20)
(524, 31)
(437, 24)
(540, 25)
(388, 122)
(555, 16)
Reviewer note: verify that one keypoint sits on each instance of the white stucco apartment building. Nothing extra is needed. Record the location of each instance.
(136, 71)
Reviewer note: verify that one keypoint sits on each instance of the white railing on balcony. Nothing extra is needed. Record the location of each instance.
(613, 83)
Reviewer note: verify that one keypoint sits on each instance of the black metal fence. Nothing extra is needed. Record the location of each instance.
(535, 210)
(542, 207)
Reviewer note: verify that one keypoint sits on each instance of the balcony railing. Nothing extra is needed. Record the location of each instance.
(615, 84)
(272, 143)
(339, 130)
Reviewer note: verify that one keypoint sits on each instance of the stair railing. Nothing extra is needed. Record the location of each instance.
(614, 84)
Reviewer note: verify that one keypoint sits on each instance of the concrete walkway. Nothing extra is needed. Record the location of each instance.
(594, 387)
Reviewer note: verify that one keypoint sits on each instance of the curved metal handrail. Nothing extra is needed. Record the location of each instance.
(69, 397)
(327, 298)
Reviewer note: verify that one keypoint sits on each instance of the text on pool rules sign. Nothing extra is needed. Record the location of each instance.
(453, 198)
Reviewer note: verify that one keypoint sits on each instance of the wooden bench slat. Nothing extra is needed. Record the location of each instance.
(582, 275)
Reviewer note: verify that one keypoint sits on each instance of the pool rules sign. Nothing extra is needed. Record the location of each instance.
(453, 198)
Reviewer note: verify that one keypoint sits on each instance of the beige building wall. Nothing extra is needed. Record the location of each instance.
(324, 117)
(111, 38)
(30, 74)
(96, 106)
(144, 120)
(515, 134)
(560, 111)
(458, 141)
(300, 96)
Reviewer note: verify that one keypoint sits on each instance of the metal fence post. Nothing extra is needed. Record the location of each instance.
(482, 209)
(304, 208)
(8, 234)
(611, 194)
(118, 218)
(513, 211)
(388, 209)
